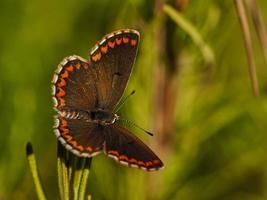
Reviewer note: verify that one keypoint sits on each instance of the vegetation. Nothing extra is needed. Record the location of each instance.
(193, 90)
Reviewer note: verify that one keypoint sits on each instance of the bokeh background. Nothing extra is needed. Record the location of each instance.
(210, 131)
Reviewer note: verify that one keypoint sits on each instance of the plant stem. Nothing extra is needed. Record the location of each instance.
(73, 173)
(59, 171)
(78, 176)
(34, 170)
(248, 44)
(85, 176)
(259, 25)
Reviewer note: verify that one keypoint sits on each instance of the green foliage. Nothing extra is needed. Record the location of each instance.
(72, 172)
(217, 146)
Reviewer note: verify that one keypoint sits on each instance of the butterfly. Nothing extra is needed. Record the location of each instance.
(85, 95)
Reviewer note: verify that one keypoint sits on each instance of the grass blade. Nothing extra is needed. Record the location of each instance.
(189, 28)
(259, 25)
(248, 44)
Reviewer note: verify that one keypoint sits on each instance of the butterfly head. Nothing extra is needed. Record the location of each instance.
(104, 117)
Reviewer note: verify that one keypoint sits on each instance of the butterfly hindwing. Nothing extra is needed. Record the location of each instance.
(127, 149)
(79, 136)
(112, 59)
(74, 85)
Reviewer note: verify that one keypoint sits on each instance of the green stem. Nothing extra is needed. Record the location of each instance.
(78, 176)
(84, 179)
(60, 171)
(73, 173)
(65, 175)
(34, 171)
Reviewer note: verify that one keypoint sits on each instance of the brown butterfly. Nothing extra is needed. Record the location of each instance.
(85, 95)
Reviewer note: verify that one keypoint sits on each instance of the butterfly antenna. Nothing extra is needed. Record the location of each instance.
(124, 100)
(136, 126)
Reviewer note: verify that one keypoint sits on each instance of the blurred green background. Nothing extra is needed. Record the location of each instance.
(210, 130)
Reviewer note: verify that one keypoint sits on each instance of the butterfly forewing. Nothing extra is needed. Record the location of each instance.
(112, 59)
(74, 85)
(126, 148)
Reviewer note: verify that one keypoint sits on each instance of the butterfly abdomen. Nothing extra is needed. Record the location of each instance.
(75, 114)
(99, 116)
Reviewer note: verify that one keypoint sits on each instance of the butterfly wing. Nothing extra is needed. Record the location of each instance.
(74, 85)
(129, 150)
(79, 136)
(112, 59)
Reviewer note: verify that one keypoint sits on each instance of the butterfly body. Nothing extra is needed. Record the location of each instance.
(104, 117)
(85, 94)
(98, 116)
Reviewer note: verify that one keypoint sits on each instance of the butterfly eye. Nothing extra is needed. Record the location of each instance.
(93, 115)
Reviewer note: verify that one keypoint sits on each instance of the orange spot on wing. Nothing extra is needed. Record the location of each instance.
(133, 42)
(125, 40)
(80, 148)
(60, 93)
(104, 49)
(118, 41)
(122, 157)
(89, 149)
(78, 66)
(74, 143)
(141, 163)
(65, 133)
(65, 74)
(113, 152)
(64, 123)
(68, 137)
(96, 57)
(132, 160)
(61, 102)
(111, 44)
(69, 68)
(156, 161)
(61, 83)
(149, 163)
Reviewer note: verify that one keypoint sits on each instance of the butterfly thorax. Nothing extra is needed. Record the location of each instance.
(103, 117)
(99, 116)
